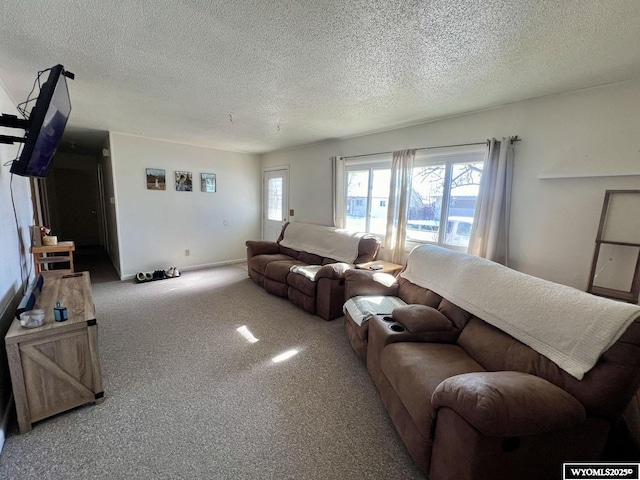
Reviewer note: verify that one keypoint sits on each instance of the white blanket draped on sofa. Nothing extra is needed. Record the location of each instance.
(330, 242)
(570, 327)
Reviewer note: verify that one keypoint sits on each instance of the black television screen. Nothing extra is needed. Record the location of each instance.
(47, 122)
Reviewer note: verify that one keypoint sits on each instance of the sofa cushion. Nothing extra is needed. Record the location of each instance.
(278, 271)
(289, 252)
(454, 313)
(329, 261)
(276, 288)
(415, 369)
(302, 283)
(420, 318)
(412, 293)
(259, 262)
(302, 300)
(310, 258)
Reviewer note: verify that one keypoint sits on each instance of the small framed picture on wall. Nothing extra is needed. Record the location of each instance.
(184, 181)
(208, 182)
(156, 179)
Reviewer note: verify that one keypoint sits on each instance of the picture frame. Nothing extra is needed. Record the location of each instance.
(208, 182)
(184, 181)
(156, 179)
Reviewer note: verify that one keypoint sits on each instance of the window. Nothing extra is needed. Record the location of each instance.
(274, 196)
(444, 192)
(442, 202)
(367, 195)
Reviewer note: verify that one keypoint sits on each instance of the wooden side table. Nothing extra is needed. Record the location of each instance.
(56, 367)
(62, 247)
(387, 267)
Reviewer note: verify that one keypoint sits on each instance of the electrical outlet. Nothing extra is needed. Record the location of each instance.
(187, 252)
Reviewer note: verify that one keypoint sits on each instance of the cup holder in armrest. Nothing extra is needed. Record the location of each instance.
(388, 319)
(396, 328)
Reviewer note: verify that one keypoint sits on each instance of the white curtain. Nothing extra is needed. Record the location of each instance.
(490, 231)
(398, 206)
(337, 191)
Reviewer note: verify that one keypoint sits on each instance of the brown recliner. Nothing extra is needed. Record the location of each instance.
(269, 265)
(471, 402)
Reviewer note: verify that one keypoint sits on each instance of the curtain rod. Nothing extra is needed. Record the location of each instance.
(515, 139)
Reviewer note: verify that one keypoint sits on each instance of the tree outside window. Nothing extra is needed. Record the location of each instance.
(444, 194)
(442, 202)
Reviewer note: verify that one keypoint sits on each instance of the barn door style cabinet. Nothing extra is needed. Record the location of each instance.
(56, 367)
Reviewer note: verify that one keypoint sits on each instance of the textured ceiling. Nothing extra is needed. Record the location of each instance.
(258, 76)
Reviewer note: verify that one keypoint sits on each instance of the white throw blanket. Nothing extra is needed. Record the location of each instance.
(309, 271)
(362, 308)
(570, 327)
(335, 243)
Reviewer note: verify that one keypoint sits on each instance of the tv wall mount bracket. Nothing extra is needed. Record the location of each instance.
(12, 121)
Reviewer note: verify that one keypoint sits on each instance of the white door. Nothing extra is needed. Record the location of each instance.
(275, 202)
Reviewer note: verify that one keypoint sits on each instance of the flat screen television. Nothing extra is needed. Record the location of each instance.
(47, 122)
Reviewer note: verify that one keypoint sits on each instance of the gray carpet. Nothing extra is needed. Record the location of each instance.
(188, 397)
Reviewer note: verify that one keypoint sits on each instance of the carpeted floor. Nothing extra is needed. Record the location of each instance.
(188, 397)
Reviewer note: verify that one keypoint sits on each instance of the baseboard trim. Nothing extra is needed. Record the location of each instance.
(131, 276)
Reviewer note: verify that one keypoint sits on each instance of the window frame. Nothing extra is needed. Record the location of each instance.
(448, 159)
(371, 163)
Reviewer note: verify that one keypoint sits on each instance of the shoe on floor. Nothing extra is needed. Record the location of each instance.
(148, 276)
(169, 273)
(141, 277)
(176, 272)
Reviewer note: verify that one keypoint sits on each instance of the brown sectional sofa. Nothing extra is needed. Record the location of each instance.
(269, 265)
(472, 402)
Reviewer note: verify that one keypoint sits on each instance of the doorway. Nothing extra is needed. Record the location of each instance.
(71, 201)
(77, 206)
(275, 201)
(74, 199)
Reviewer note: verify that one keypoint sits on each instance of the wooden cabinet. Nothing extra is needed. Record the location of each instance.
(56, 367)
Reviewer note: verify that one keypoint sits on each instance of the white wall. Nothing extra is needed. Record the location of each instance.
(554, 221)
(15, 260)
(156, 227)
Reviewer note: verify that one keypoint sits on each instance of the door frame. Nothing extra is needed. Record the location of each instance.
(41, 198)
(285, 208)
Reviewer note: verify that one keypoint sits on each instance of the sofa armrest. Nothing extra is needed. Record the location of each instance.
(333, 271)
(421, 318)
(364, 282)
(508, 404)
(261, 247)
